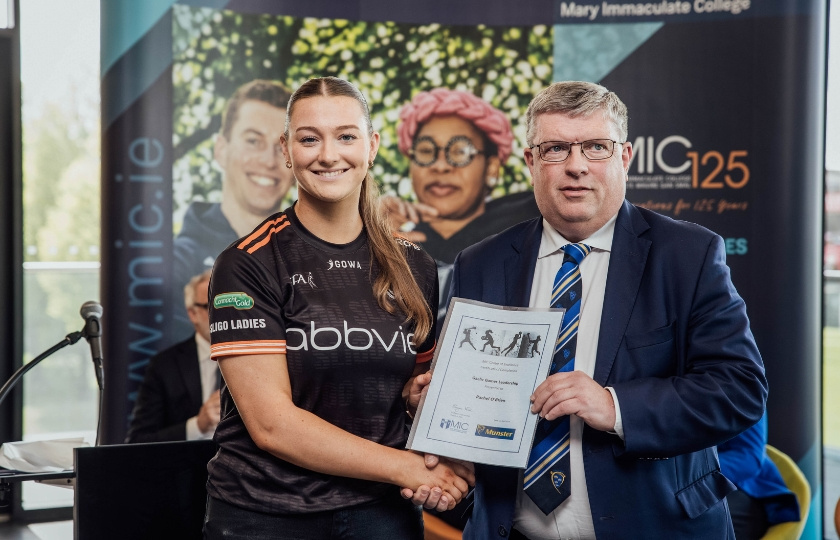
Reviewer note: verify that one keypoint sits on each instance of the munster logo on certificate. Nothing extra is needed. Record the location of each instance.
(488, 361)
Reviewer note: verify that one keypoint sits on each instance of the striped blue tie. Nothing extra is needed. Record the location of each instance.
(547, 476)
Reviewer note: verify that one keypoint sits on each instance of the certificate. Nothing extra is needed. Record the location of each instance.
(487, 364)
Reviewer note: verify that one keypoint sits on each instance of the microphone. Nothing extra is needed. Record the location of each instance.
(92, 312)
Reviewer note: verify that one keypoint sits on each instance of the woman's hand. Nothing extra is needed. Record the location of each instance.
(417, 388)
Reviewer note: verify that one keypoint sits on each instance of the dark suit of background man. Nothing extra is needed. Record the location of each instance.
(666, 366)
(179, 397)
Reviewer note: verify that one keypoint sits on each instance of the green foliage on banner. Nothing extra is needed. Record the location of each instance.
(217, 51)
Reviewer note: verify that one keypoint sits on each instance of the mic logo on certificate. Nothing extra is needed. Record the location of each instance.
(454, 425)
(486, 366)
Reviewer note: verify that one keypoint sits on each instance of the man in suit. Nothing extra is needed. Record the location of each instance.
(179, 397)
(666, 366)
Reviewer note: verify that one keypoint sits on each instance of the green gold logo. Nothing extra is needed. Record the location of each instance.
(238, 300)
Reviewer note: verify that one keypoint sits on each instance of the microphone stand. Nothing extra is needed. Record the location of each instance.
(69, 339)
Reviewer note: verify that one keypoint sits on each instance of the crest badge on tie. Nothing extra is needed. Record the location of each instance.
(557, 479)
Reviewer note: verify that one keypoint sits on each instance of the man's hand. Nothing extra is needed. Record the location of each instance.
(210, 413)
(574, 393)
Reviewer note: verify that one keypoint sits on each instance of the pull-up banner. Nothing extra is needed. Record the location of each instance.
(726, 119)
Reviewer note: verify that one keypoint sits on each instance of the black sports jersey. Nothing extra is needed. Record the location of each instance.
(283, 290)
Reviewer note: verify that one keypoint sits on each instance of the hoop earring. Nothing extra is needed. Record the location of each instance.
(370, 164)
(288, 164)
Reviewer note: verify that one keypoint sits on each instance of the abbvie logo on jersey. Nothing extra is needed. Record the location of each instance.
(327, 338)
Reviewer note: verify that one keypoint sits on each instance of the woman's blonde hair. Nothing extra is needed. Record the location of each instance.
(395, 276)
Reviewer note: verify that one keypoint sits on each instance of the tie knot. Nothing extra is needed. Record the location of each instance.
(576, 252)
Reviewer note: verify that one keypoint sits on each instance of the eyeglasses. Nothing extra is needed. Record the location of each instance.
(202, 306)
(593, 150)
(459, 151)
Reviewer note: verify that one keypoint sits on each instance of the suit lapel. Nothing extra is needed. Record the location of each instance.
(628, 257)
(520, 264)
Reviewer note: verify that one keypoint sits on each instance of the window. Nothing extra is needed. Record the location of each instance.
(7, 14)
(60, 124)
(831, 286)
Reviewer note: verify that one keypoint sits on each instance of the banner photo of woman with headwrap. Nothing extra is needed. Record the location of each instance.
(458, 145)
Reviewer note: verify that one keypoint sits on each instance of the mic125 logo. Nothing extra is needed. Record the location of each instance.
(675, 157)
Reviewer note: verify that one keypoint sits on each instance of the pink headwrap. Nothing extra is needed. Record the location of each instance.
(442, 102)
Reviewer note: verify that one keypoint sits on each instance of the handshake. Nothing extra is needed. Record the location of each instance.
(445, 481)
(456, 479)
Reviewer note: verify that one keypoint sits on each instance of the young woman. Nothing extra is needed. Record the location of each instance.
(319, 318)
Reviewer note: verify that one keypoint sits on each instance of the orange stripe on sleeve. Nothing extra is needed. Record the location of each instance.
(267, 237)
(236, 348)
(261, 231)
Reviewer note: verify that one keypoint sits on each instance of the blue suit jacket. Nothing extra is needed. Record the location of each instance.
(675, 345)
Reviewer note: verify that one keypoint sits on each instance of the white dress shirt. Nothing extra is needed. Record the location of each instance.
(573, 518)
(208, 369)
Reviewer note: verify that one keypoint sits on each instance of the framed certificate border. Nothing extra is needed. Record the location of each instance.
(487, 364)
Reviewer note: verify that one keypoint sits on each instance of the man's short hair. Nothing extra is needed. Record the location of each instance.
(192, 285)
(271, 92)
(576, 98)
